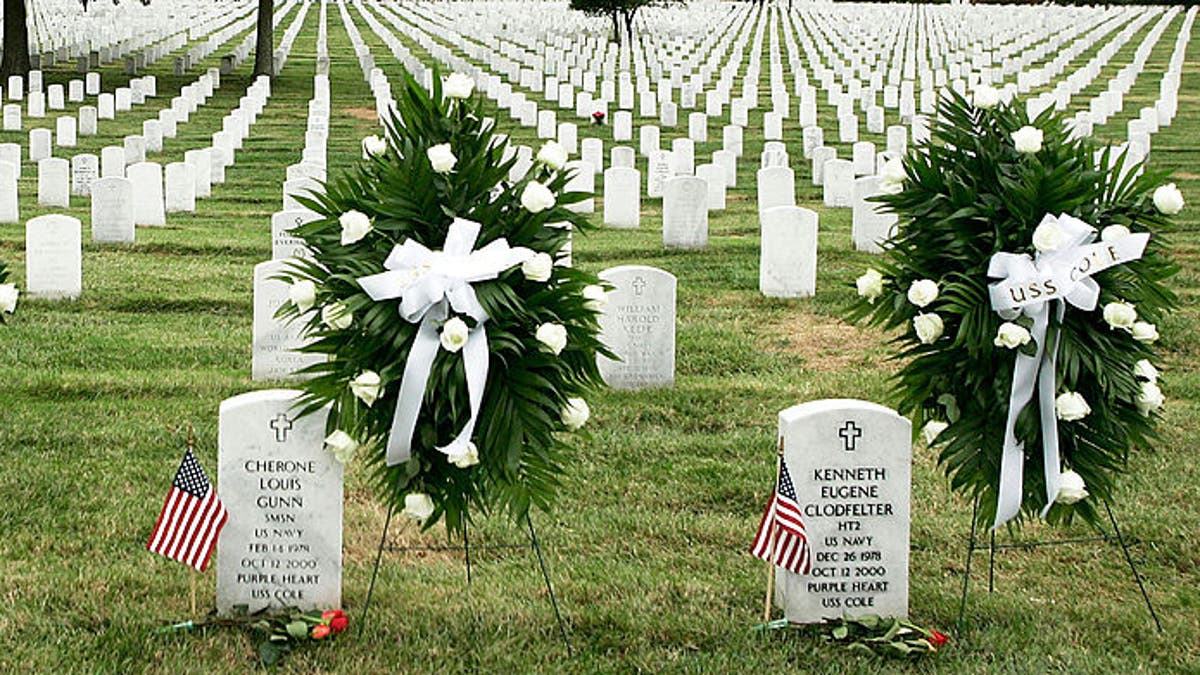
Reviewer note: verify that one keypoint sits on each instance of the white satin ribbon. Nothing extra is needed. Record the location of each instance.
(1035, 288)
(430, 284)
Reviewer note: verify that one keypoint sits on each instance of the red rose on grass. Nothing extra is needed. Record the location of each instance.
(598, 117)
(336, 619)
(938, 639)
(320, 631)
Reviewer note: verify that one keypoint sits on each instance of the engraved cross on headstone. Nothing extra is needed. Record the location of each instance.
(850, 434)
(639, 285)
(282, 425)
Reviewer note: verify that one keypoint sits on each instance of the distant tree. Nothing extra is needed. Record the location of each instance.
(15, 60)
(264, 42)
(621, 12)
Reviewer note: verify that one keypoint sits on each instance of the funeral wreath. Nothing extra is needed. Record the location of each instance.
(460, 348)
(1025, 284)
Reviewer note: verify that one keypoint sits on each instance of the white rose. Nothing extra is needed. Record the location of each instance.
(372, 146)
(595, 297)
(1113, 233)
(537, 197)
(575, 414)
(933, 429)
(454, 334)
(341, 445)
(986, 97)
(929, 327)
(553, 155)
(892, 176)
(355, 226)
(1168, 199)
(553, 336)
(870, 285)
(1144, 331)
(365, 386)
(418, 506)
(1011, 336)
(8, 298)
(467, 458)
(922, 292)
(1027, 139)
(1150, 398)
(1145, 370)
(337, 316)
(303, 294)
(457, 85)
(1120, 315)
(538, 267)
(1071, 406)
(1070, 488)
(441, 158)
(1048, 236)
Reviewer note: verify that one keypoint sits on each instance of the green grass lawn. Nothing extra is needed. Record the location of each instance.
(647, 547)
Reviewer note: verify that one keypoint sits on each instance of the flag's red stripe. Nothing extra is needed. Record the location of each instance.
(212, 514)
(178, 512)
(183, 530)
(762, 540)
(205, 511)
(160, 526)
(211, 544)
(200, 512)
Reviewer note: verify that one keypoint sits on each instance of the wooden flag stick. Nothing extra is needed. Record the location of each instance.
(191, 446)
(771, 546)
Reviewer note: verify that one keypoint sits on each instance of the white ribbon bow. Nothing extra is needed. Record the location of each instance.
(430, 283)
(1034, 287)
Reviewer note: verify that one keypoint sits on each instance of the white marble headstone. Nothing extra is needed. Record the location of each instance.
(788, 262)
(54, 182)
(112, 210)
(273, 356)
(147, 179)
(282, 546)
(283, 243)
(85, 169)
(850, 463)
(54, 256)
(622, 197)
(638, 325)
(685, 212)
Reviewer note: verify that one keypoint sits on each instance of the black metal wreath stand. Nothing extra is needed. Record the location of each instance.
(533, 544)
(991, 546)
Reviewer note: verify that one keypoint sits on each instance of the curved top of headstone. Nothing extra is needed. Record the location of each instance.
(260, 396)
(833, 404)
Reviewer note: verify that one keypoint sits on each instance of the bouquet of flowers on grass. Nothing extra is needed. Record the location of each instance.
(8, 293)
(1026, 281)
(459, 351)
(286, 631)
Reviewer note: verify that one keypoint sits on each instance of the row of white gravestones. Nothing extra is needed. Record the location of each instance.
(847, 464)
(282, 545)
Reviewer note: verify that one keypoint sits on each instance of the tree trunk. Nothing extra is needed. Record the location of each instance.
(616, 27)
(264, 44)
(16, 40)
(629, 14)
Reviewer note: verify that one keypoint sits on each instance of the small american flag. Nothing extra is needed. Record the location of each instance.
(191, 518)
(781, 538)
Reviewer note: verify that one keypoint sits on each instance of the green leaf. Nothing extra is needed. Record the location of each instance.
(298, 629)
(270, 653)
